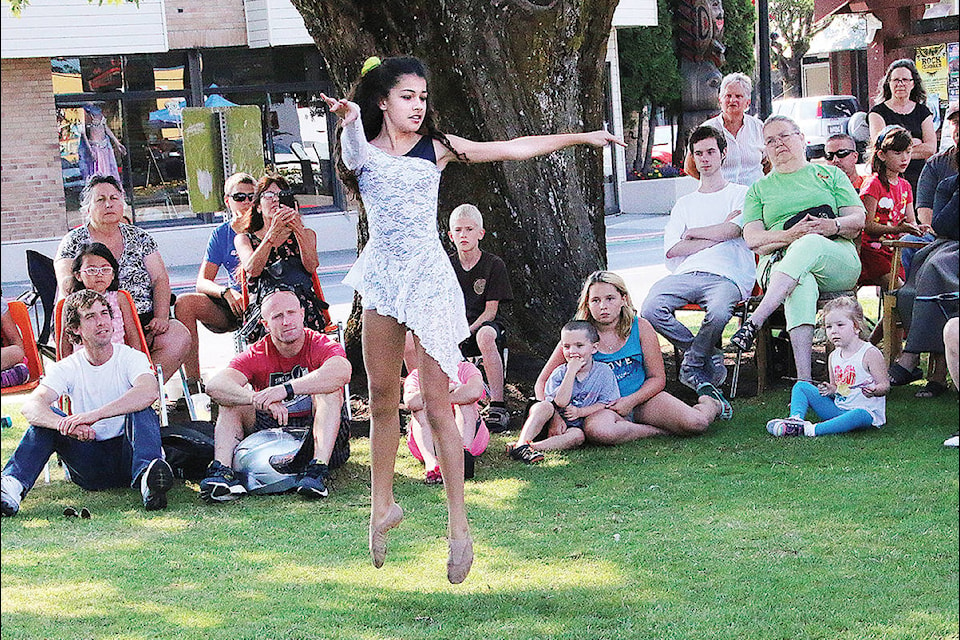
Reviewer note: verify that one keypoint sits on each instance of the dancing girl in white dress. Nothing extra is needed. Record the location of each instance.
(391, 156)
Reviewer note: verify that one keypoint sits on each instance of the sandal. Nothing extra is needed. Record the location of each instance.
(745, 335)
(900, 375)
(433, 476)
(932, 389)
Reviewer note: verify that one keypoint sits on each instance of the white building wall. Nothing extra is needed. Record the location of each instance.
(49, 28)
(635, 13)
(274, 23)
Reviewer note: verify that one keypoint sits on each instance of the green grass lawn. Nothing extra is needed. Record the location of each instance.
(734, 534)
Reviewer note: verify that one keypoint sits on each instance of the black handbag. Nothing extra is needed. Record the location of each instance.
(820, 211)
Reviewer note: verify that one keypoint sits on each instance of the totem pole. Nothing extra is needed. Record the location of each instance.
(700, 35)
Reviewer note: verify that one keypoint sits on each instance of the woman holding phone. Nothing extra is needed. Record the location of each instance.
(277, 250)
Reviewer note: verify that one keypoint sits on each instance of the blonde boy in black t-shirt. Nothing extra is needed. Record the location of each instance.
(483, 279)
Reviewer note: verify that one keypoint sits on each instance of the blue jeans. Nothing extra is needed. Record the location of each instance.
(834, 419)
(93, 465)
(716, 294)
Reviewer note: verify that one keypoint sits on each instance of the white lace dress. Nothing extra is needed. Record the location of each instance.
(403, 271)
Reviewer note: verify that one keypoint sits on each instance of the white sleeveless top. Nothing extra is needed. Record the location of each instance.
(847, 374)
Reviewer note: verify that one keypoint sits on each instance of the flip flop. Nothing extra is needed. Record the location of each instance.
(932, 389)
(900, 375)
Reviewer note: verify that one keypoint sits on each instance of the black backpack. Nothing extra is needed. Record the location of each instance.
(188, 447)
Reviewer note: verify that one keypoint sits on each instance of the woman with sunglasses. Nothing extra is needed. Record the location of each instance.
(902, 100)
(218, 307)
(277, 250)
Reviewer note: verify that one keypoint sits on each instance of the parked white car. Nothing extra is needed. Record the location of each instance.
(819, 117)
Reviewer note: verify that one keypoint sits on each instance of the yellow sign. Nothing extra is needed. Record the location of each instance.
(932, 64)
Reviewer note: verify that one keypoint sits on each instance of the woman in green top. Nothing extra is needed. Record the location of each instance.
(813, 254)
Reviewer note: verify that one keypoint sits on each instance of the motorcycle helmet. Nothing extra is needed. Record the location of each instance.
(251, 461)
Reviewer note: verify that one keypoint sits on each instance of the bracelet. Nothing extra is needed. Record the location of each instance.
(837, 221)
(289, 389)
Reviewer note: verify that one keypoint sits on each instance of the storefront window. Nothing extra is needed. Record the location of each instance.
(135, 131)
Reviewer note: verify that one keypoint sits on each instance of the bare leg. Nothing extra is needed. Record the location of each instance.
(420, 429)
(11, 356)
(326, 424)
(232, 424)
(609, 427)
(951, 343)
(492, 362)
(466, 416)
(676, 417)
(540, 414)
(571, 438)
(780, 286)
(190, 309)
(434, 385)
(382, 356)
(170, 348)
(801, 340)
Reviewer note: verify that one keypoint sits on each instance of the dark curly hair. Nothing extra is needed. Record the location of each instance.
(372, 87)
(255, 220)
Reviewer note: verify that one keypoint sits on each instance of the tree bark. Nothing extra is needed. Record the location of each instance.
(499, 70)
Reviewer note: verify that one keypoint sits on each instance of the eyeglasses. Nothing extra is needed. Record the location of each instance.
(271, 195)
(782, 138)
(840, 153)
(241, 197)
(901, 80)
(97, 271)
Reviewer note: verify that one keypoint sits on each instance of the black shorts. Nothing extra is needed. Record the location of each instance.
(296, 424)
(469, 347)
(233, 322)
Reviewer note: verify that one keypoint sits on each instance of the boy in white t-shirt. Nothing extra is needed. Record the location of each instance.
(112, 438)
(711, 264)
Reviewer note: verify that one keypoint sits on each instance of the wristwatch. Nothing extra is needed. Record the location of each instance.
(289, 389)
(223, 294)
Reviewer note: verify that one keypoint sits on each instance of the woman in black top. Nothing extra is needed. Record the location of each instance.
(902, 100)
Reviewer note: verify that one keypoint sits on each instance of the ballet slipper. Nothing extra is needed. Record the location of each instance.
(378, 534)
(459, 560)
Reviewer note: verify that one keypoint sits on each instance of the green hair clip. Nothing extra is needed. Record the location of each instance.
(370, 63)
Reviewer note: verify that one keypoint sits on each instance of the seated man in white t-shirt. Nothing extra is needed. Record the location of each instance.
(112, 438)
(711, 264)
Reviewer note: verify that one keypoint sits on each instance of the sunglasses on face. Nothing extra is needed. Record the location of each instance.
(241, 197)
(841, 153)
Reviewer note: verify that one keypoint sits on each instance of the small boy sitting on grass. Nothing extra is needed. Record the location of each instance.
(575, 392)
(483, 279)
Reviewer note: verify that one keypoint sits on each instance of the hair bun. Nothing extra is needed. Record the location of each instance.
(370, 63)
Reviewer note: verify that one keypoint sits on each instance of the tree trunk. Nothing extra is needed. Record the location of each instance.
(499, 70)
(632, 136)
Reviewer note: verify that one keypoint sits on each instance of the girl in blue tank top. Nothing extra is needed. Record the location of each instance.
(630, 346)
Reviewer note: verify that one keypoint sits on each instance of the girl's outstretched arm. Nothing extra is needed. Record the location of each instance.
(524, 148)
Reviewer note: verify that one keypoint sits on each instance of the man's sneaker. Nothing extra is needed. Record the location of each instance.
(690, 377)
(221, 484)
(155, 481)
(313, 481)
(11, 492)
(707, 389)
(526, 453)
(952, 441)
(497, 419)
(786, 427)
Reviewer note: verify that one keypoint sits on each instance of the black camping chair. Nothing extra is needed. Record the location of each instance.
(43, 294)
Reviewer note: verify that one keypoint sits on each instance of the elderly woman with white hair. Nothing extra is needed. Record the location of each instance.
(744, 132)
(802, 219)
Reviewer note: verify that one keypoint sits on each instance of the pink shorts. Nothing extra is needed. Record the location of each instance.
(479, 445)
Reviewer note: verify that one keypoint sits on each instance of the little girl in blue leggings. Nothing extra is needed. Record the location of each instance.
(855, 396)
